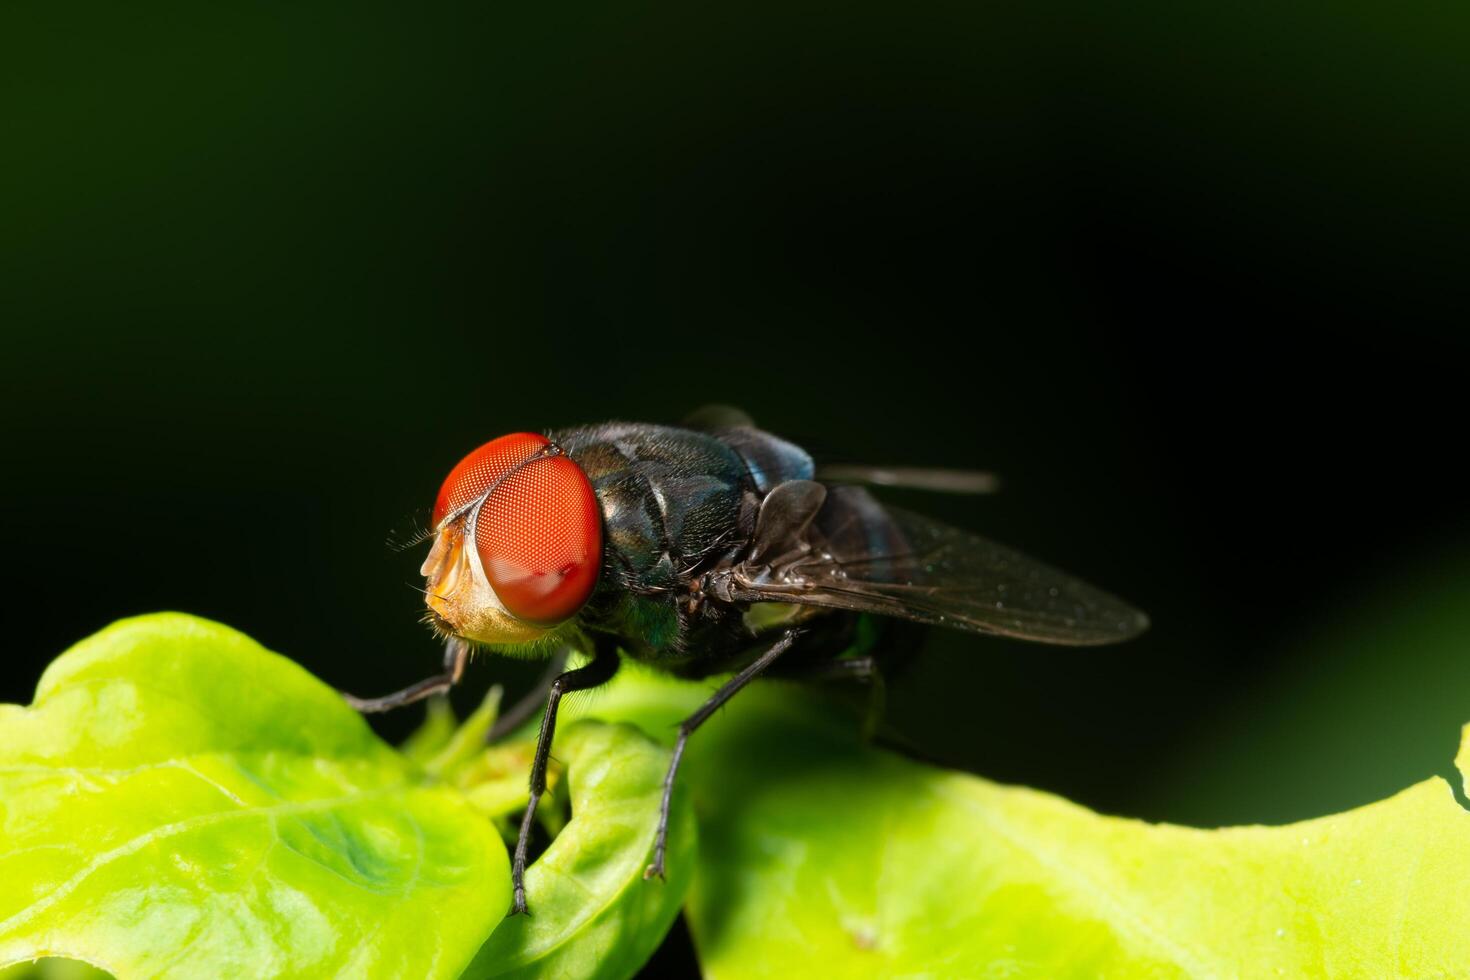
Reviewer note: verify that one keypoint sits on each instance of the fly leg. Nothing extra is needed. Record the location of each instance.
(599, 671)
(512, 718)
(687, 727)
(456, 653)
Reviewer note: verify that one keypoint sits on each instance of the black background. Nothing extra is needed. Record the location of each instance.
(1190, 278)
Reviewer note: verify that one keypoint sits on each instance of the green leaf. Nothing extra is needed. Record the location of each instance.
(822, 856)
(593, 915)
(180, 802)
(493, 778)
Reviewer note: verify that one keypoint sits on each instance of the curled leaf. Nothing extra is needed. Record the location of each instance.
(593, 914)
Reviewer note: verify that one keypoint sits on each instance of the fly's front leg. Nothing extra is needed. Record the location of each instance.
(687, 727)
(604, 664)
(456, 653)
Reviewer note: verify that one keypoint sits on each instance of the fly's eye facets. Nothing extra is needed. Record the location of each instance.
(540, 540)
(479, 471)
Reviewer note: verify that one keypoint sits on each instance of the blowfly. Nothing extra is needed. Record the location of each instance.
(708, 548)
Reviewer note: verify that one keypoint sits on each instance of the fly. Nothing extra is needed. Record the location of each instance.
(702, 549)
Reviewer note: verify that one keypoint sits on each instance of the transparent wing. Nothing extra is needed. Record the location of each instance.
(912, 478)
(861, 556)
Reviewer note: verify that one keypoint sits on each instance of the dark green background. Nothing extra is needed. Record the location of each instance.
(1191, 277)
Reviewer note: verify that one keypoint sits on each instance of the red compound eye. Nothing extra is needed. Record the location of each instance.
(539, 533)
(478, 471)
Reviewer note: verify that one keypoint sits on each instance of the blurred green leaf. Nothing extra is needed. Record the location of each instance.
(438, 729)
(1383, 678)
(180, 802)
(822, 856)
(53, 968)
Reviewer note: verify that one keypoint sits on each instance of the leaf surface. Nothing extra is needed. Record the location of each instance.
(178, 801)
(821, 856)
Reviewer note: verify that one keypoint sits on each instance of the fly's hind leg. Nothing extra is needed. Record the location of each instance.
(456, 653)
(687, 728)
